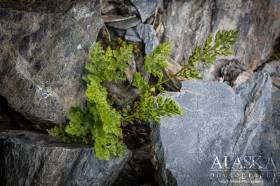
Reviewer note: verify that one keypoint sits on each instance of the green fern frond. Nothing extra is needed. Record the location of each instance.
(152, 109)
(139, 82)
(221, 46)
(156, 61)
(166, 106)
(109, 65)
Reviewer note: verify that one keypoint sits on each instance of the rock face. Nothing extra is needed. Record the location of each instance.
(29, 158)
(219, 121)
(43, 53)
(189, 22)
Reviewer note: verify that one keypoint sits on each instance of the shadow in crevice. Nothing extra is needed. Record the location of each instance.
(139, 170)
(136, 172)
(10, 119)
(276, 50)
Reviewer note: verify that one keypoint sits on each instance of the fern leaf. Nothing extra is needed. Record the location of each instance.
(156, 61)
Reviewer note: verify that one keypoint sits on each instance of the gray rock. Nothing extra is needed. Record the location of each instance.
(273, 69)
(132, 35)
(122, 23)
(42, 59)
(29, 158)
(118, 7)
(144, 33)
(51, 6)
(145, 8)
(218, 121)
(189, 22)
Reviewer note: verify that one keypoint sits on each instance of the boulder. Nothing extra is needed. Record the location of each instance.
(221, 127)
(42, 57)
(29, 158)
(189, 22)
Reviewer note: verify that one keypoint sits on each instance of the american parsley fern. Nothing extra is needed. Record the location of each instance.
(99, 123)
(208, 53)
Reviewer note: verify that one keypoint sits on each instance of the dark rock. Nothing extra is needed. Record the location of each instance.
(231, 69)
(5, 120)
(118, 7)
(29, 158)
(9, 119)
(144, 33)
(218, 121)
(120, 95)
(138, 170)
(145, 8)
(189, 22)
(42, 59)
(51, 6)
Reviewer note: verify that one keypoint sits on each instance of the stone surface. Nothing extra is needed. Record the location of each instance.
(218, 121)
(39, 6)
(10, 119)
(273, 69)
(122, 23)
(145, 8)
(118, 7)
(189, 22)
(144, 33)
(29, 158)
(42, 57)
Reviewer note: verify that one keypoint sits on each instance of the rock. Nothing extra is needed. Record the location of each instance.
(120, 22)
(118, 7)
(185, 143)
(145, 8)
(138, 170)
(5, 120)
(10, 119)
(29, 158)
(144, 33)
(218, 121)
(273, 69)
(42, 59)
(132, 35)
(189, 22)
(51, 6)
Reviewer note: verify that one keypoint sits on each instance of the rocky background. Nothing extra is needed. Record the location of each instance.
(234, 111)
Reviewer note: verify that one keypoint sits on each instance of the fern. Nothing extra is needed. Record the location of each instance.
(139, 82)
(111, 64)
(167, 107)
(156, 61)
(99, 124)
(209, 52)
